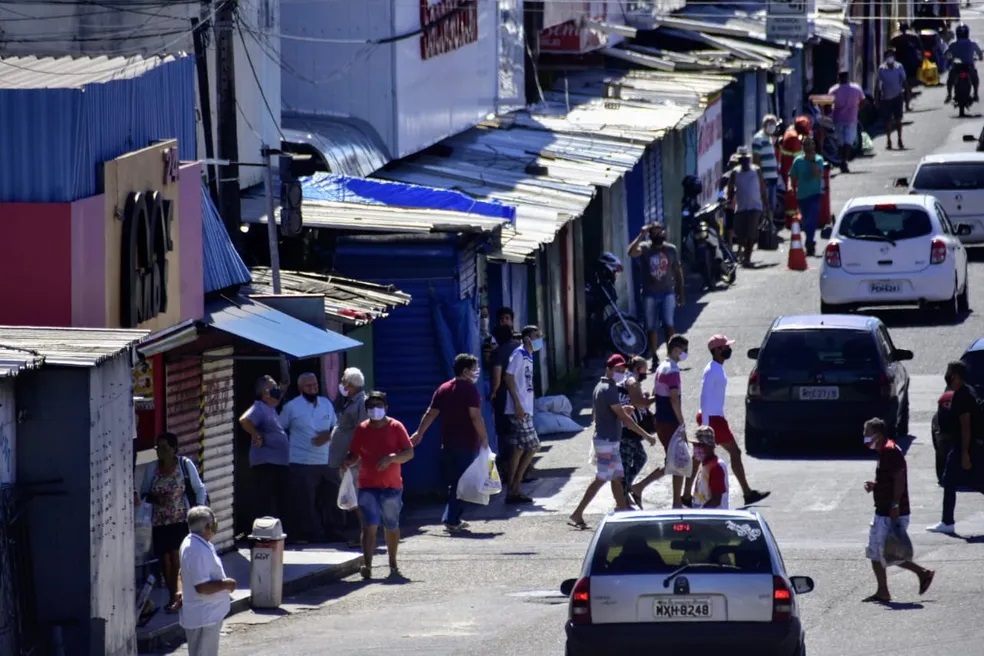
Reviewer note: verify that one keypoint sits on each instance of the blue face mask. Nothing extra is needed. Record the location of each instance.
(275, 393)
(537, 344)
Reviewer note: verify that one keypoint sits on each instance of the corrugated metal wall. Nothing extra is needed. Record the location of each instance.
(183, 382)
(111, 559)
(219, 397)
(8, 597)
(52, 141)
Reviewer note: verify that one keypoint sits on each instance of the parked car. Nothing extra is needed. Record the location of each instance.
(973, 357)
(957, 181)
(893, 251)
(818, 377)
(684, 581)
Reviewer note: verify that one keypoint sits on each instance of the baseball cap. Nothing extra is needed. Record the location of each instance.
(703, 435)
(615, 361)
(742, 151)
(717, 341)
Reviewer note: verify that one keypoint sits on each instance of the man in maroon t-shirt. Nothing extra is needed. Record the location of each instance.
(459, 405)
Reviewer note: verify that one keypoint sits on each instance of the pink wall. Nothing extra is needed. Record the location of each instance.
(89, 262)
(192, 292)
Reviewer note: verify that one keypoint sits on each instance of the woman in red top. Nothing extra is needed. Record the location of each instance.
(382, 445)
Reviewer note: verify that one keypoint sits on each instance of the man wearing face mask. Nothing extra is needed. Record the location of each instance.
(713, 391)
(351, 412)
(890, 490)
(459, 405)
(764, 156)
(631, 450)
(960, 418)
(519, 408)
(662, 282)
(269, 453)
(746, 190)
(806, 176)
(891, 90)
(711, 489)
(309, 420)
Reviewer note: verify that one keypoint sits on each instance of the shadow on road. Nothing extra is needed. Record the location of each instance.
(841, 450)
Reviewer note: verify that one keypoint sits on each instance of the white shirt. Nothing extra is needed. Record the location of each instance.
(713, 388)
(303, 420)
(702, 486)
(200, 563)
(521, 368)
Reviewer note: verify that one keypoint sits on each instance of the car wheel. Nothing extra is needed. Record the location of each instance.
(754, 441)
(830, 308)
(963, 301)
(902, 427)
(951, 308)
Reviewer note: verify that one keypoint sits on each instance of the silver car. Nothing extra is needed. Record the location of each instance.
(694, 580)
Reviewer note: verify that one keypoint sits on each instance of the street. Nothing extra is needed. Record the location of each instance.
(495, 590)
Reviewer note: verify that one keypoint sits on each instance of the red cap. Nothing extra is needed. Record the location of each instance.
(717, 341)
(615, 361)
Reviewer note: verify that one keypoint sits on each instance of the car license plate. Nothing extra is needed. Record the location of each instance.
(677, 609)
(819, 393)
(885, 287)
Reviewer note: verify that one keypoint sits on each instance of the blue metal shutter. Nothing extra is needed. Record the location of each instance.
(653, 183)
(468, 270)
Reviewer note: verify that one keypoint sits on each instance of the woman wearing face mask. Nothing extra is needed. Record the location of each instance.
(630, 393)
(269, 453)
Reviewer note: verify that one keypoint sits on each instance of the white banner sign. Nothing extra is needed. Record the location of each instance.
(710, 151)
(788, 20)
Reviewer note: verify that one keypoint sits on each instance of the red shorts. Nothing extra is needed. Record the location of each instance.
(722, 431)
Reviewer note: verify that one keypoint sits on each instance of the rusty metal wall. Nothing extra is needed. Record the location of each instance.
(218, 421)
(183, 382)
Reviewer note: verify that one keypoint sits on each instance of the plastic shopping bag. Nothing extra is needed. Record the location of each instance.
(348, 495)
(898, 546)
(471, 485)
(143, 530)
(592, 456)
(493, 484)
(679, 458)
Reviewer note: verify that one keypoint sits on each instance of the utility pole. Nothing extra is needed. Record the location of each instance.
(267, 153)
(225, 70)
(199, 31)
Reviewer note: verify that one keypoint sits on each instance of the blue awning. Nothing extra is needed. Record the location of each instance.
(221, 264)
(261, 324)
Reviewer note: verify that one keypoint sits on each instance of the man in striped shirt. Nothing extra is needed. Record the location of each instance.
(764, 156)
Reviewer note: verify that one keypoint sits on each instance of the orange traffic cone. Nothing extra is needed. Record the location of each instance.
(797, 256)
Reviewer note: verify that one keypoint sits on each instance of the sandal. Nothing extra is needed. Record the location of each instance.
(578, 524)
(926, 581)
(875, 599)
(365, 572)
(637, 499)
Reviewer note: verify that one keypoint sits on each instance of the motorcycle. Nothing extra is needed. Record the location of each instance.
(963, 96)
(625, 334)
(703, 246)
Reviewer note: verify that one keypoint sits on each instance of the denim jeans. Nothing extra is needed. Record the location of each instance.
(454, 462)
(659, 308)
(809, 208)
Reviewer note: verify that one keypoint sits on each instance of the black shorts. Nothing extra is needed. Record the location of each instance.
(892, 109)
(169, 537)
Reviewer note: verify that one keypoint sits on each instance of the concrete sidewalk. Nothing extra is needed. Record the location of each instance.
(304, 568)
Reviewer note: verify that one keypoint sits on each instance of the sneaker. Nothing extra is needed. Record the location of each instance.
(946, 529)
(456, 528)
(754, 496)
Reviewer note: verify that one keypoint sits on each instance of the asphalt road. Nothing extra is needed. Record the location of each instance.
(495, 592)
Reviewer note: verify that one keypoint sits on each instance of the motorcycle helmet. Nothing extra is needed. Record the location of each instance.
(692, 186)
(963, 32)
(611, 262)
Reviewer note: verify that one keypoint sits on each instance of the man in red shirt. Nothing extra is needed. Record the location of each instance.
(381, 445)
(459, 405)
(711, 483)
(890, 490)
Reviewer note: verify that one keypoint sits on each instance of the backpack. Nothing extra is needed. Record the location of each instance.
(189, 489)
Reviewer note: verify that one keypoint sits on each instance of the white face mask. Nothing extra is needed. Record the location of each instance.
(473, 376)
(342, 390)
(618, 376)
(890, 60)
(869, 441)
(770, 128)
(683, 356)
(377, 414)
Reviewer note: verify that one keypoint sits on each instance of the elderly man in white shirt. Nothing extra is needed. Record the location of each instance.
(713, 391)
(309, 420)
(205, 589)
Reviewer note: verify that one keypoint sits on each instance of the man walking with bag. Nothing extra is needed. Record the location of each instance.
(890, 491)
(747, 192)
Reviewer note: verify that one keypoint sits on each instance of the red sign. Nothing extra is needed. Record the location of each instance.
(454, 25)
(565, 37)
(573, 37)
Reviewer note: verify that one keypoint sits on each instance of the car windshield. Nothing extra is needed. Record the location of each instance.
(662, 546)
(950, 176)
(884, 224)
(827, 350)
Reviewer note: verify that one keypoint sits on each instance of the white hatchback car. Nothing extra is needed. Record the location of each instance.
(957, 181)
(892, 251)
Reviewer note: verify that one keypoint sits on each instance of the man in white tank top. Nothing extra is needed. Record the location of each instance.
(750, 199)
(711, 486)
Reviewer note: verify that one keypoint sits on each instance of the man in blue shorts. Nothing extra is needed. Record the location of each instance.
(662, 282)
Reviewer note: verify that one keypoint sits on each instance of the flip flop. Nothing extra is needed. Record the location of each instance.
(581, 526)
(637, 498)
(875, 599)
(926, 581)
(365, 572)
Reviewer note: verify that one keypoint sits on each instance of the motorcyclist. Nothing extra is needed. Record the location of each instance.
(966, 51)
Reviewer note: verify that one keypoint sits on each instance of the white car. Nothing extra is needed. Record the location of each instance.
(957, 181)
(892, 251)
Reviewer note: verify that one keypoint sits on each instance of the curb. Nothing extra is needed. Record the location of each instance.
(172, 635)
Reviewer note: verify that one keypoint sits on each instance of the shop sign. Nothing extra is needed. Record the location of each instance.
(457, 26)
(709, 150)
(143, 380)
(147, 240)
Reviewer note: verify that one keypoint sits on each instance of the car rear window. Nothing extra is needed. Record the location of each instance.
(894, 224)
(951, 176)
(661, 546)
(827, 350)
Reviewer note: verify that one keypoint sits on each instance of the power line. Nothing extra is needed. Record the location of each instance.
(256, 77)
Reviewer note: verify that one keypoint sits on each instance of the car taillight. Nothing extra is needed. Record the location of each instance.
(581, 602)
(937, 253)
(832, 255)
(927, 54)
(753, 383)
(885, 383)
(782, 600)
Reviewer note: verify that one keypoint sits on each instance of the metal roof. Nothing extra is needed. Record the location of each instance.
(70, 347)
(72, 72)
(347, 146)
(222, 265)
(350, 301)
(13, 361)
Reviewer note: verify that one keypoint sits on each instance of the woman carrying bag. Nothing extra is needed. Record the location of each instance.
(172, 486)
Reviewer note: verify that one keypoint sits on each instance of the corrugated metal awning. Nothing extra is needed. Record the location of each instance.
(14, 360)
(70, 347)
(73, 72)
(638, 58)
(265, 326)
(346, 146)
(831, 27)
(350, 301)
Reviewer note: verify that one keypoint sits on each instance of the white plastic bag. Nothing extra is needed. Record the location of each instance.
(592, 456)
(472, 484)
(679, 458)
(143, 530)
(493, 484)
(348, 495)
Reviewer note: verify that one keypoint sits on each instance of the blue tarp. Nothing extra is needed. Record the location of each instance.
(346, 189)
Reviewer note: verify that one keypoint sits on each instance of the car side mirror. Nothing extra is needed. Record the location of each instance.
(963, 229)
(567, 587)
(901, 182)
(901, 355)
(826, 232)
(969, 138)
(802, 584)
(753, 353)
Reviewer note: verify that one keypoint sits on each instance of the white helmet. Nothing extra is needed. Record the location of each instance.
(611, 262)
